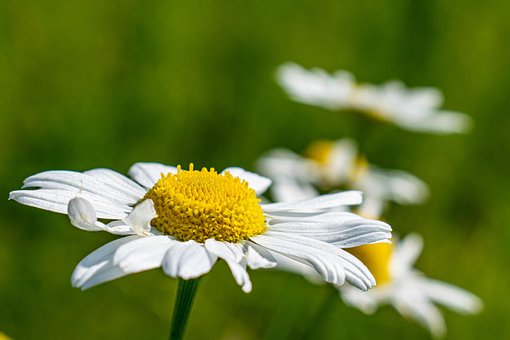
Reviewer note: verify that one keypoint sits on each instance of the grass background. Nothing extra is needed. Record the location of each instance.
(86, 84)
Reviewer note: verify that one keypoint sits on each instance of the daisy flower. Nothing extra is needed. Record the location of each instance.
(337, 164)
(416, 109)
(409, 291)
(185, 220)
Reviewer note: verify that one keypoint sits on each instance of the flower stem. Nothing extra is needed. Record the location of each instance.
(186, 291)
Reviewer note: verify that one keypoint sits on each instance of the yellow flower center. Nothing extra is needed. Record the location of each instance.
(361, 167)
(376, 257)
(320, 151)
(198, 205)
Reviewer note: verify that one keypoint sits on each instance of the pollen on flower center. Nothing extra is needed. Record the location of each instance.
(376, 257)
(320, 151)
(198, 205)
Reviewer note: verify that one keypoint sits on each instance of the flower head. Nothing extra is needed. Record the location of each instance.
(415, 109)
(405, 288)
(185, 220)
(334, 165)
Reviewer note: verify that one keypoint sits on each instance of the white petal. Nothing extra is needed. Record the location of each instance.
(57, 201)
(316, 204)
(82, 215)
(142, 254)
(424, 312)
(141, 216)
(359, 299)
(290, 190)
(319, 255)
(283, 163)
(147, 174)
(258, 257)
(255, 181)
(233, 255)
(395, 185)
(119, 181)
(79, 183)
(449, 295)
(187, 260)
(344, 234)
(440, 122)
(405, 254)
(96, 262)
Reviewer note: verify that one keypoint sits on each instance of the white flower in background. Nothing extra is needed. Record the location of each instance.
(416, 109)
(184, 221)
(334, 165)
(409, 291)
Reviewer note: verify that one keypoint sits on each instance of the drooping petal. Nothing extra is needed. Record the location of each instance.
(142, 254)
(98, 261)
(187, 260)
(147, 174)
(255, 181)
(233, 255)
(317, 254)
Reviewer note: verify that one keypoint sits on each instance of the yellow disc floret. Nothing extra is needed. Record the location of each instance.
(376, 257)
(198, 205)
(320, 151)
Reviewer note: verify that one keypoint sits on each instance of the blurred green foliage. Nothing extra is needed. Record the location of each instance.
(86, 84)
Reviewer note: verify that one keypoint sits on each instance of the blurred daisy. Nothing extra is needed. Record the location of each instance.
(185, 220)
(334, 165)
(416, 109)
(409, 291)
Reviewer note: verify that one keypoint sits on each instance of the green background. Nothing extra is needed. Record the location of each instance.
(86, 84)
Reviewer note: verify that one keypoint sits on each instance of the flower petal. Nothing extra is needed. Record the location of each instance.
(424, 312)
(187, 260)
(317, 254)
(233, 255)
(142, 254)
(78, 182)
(258, 257)
(139, 220)
(449, 295)
(82, 215)
(255, 181)
(147, 174)
(317, 203)
(119, 181)
(57, 201)
(405, 254)
(348, 231)
(96, 262)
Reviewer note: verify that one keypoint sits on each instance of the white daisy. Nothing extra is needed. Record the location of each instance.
(409, 291)
(416, 109)
(338, 164)
(184, 221)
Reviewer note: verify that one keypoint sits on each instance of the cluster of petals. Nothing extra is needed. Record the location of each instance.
(307, 231)
(416, 109)
(411, 293)
(298, 177)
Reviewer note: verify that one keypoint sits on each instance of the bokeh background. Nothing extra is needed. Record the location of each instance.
(86, 84)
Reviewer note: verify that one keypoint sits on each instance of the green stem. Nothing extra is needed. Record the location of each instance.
(321, 314)
(186, 291)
